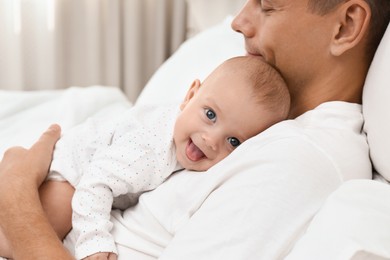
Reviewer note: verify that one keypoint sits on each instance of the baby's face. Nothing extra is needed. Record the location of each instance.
(220, 115)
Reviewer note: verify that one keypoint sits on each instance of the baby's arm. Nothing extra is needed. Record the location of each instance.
(91, 205)
(115, 170)
(136, 160)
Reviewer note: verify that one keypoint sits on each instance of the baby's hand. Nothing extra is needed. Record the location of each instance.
(101, 256)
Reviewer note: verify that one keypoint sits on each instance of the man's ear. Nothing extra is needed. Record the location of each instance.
(353, 20)
(191, 93)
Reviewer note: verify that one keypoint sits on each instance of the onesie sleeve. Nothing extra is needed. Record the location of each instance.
(137, 160)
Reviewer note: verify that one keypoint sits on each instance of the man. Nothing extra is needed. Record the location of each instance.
(322, 48)
(262, 204)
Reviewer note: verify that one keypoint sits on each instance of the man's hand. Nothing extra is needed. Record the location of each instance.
(21, 216)
(29, 167)
(101, 256)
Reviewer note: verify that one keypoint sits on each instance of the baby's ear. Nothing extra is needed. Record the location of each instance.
(191, 93)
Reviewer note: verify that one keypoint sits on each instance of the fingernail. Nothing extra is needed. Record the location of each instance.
(54, 127)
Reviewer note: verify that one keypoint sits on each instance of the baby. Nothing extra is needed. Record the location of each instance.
(109, 162)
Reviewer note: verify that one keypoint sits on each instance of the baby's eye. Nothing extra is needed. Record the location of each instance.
(234, 141)
(211, 114)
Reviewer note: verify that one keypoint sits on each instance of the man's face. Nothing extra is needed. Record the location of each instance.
(287, 35)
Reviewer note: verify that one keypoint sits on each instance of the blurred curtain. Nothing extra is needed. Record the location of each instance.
(54, 44)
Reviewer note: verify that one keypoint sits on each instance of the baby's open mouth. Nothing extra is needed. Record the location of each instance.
(193, 152)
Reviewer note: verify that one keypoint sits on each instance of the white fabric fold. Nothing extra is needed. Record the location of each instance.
(353, 224)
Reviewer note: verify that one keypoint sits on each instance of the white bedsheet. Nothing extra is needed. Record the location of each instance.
(25, 115)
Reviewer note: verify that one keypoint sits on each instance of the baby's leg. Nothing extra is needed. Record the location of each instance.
(5, 250)
(56, 197)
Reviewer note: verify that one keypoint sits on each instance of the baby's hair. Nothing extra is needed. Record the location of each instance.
(269, 87)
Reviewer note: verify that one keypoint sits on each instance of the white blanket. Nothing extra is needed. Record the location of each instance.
(25, 115)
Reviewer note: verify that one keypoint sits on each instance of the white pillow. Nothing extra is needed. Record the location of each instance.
(376, 108)
(195, 59)
(354, 222)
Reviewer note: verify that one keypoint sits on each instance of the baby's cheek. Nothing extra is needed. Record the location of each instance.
(217, 160)
(204, 166)
(225, 154)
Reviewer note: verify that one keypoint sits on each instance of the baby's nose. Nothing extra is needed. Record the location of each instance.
(210, 141)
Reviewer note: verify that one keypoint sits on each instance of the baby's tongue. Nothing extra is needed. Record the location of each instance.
(193, 152)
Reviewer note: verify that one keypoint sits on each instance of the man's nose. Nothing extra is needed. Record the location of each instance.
(242, 22)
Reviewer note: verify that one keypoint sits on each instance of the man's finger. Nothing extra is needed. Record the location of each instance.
(112, 256)
(47, 140)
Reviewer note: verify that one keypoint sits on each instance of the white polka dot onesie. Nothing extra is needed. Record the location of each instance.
(113, 158)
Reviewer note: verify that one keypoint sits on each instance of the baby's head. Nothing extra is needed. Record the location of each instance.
(239, 99)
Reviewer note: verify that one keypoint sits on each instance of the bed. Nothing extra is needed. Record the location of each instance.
(354, 222)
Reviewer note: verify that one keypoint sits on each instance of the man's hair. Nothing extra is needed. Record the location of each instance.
(380, 16)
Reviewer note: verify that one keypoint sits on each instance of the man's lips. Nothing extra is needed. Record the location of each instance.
(248, 53)
(193, 152)
(252, 52)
